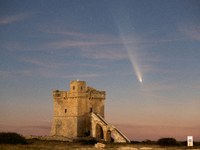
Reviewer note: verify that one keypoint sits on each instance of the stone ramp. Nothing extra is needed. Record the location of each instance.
(115, 128)
(122, 134)
(119, 137)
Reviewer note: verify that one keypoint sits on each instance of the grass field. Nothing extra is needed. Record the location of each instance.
(36, 144)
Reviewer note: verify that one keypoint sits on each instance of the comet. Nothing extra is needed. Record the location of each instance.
(132, 54)
(135, 66)
(124, 25)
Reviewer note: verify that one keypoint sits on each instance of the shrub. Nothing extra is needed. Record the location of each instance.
(11, 138)
(147, 141)
(135, 142)
(88, 142)
(184, 143)
(167, 141)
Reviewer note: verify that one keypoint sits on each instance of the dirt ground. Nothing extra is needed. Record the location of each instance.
(83, 145)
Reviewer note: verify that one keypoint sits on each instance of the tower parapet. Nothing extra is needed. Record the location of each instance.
(59, 94)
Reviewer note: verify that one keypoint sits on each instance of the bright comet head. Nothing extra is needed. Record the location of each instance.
(139, 77)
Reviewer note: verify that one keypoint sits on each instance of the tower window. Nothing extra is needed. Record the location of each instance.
(90, 109)
(65, 110)
(81, 88)
(73, 87)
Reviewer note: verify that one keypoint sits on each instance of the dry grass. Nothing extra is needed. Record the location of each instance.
(60, 145)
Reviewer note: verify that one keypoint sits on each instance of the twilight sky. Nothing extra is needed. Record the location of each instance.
(144, 54)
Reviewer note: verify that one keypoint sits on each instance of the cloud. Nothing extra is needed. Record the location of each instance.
(6, 74)
(95, 47)
(90, 65)
(43, 63)
(14, 46)
(70, 43)
(83, 76)
(78, 40)
(33, 72)
(44, 72)
(14, 18)
(82, 36)
(150, 90)
(191, 31)
(45, 67)
(159, 87)
(150, 68)
(107, 52)
(150, 95)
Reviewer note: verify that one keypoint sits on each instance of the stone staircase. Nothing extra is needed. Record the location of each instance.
(119, 137)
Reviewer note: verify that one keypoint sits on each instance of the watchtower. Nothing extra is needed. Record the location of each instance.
(72, 109)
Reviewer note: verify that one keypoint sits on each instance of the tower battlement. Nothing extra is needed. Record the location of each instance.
(59, 94)
(78, 90)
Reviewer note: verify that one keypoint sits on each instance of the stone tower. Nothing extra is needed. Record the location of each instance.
(72, 109)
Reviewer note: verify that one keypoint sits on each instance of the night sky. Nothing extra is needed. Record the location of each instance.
(144, 54)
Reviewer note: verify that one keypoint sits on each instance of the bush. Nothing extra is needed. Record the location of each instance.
(184, 143)
(147, 141)
(167, 141)
(135, 142)
(11, 138)
(88, 142)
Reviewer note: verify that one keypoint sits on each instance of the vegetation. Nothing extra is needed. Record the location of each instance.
(11, 138)
(148, 142)
(184, 143)
(16, 142)
(135, 142)
(88, 142)
(167, 142)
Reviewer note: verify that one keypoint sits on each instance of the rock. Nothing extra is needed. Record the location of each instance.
(99, 145)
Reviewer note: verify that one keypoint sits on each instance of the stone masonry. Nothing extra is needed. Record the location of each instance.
(80, 113)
